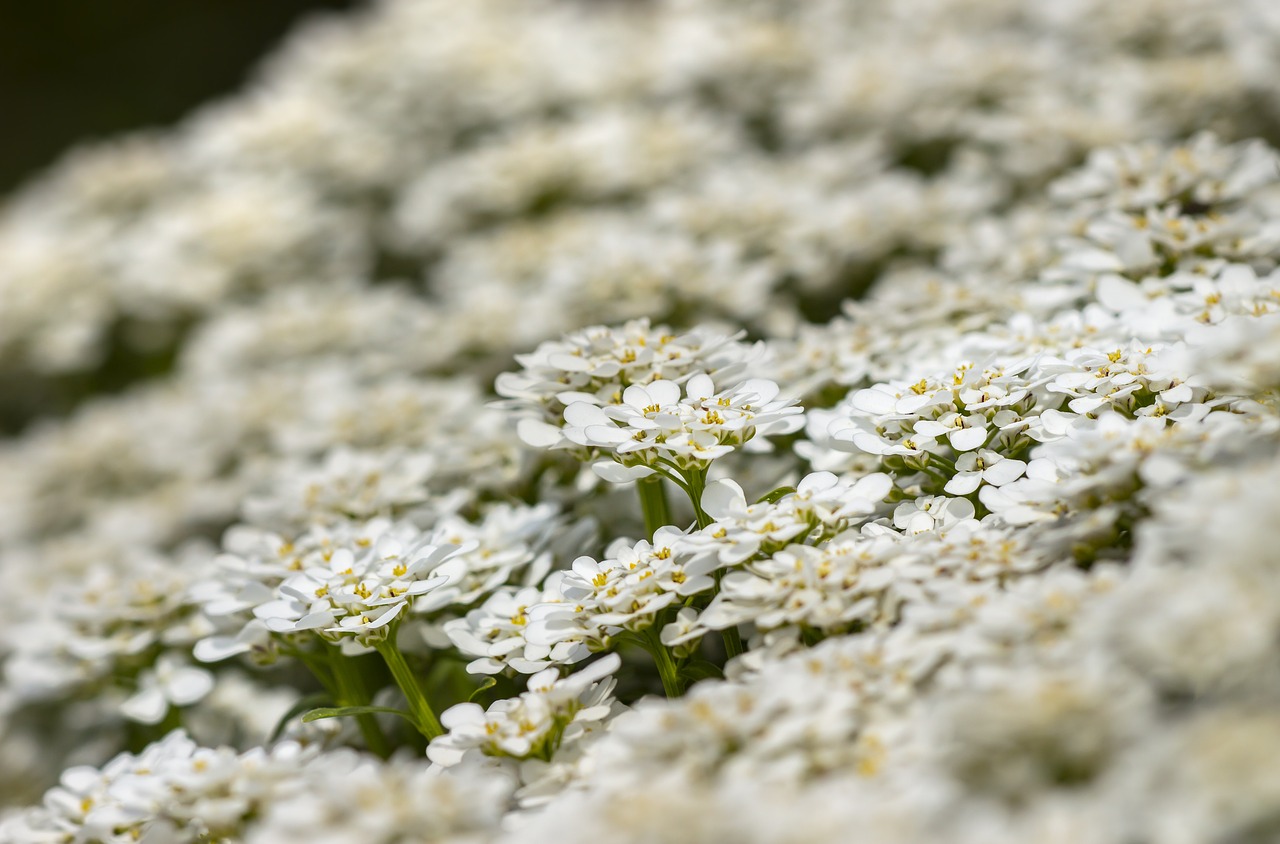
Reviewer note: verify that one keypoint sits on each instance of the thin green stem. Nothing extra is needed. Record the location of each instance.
(653, 501)
(936, 475)
(676, 479)
(317, 663)
(424, 717)
(697, 479)
(946, 462)
(732, 643)
(351, 691)
(667, 669)
(732, 638)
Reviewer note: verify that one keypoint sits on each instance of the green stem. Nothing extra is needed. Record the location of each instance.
(697, 479)
(351, 691)
(732, 638)
(732, 643)
(676, 478)
(424, 717)
(936, 475)
(653, 501)
(666, 665)
(317, 663)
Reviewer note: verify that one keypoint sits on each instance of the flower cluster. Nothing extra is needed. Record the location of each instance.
(302, 510)
(637, 587)
(656, 425)
(178, 791)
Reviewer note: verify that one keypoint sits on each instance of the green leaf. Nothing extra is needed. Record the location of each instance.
(308, 702)
(701, 669)
(344, 711)
(489, 683)
(776, 495)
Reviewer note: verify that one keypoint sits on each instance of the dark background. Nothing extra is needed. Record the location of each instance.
(75, 70)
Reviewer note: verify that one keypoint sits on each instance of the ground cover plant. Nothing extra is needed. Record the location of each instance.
(646, 421)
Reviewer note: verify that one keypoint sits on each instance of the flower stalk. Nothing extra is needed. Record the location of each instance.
(351, 691)
(424, 717)
(653, 501)
(672, 683)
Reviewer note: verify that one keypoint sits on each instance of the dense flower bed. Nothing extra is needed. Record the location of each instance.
(659, 420)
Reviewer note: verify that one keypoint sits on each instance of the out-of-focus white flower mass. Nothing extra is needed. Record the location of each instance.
(522, 421)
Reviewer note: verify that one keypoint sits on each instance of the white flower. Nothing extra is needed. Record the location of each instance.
(654, 424)
(985, 466)
(171, 682)
(494, 633)
(931, 511)
(552, 712)
(362, 591)
(595, 365)
(822, 505)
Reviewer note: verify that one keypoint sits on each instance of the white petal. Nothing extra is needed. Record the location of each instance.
(1119, 294)
(963, 483)
(766, 391)
(1057, 423)
(875, 402)
(585, 567)
(276, 609)
(606, 435)
(485, 666)
(664, 393)
(444, 754)
(966, 439)
(218, 648)
(599, 669)
(568, 362)
(723, 498)
(568, 397)
(538, 434)
(314, 620)
(188, 685)
(1006, 471)
(147, 707)
(700, 386)
(919, 523)
(616, 473)
(637, 397)
(869, 443)
(1179, 394)
(958, 508)
(387, 617)
(461, 715)
(929, 428)
(911, 403)
(814, 482)
(580, 415)
(873, 487)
